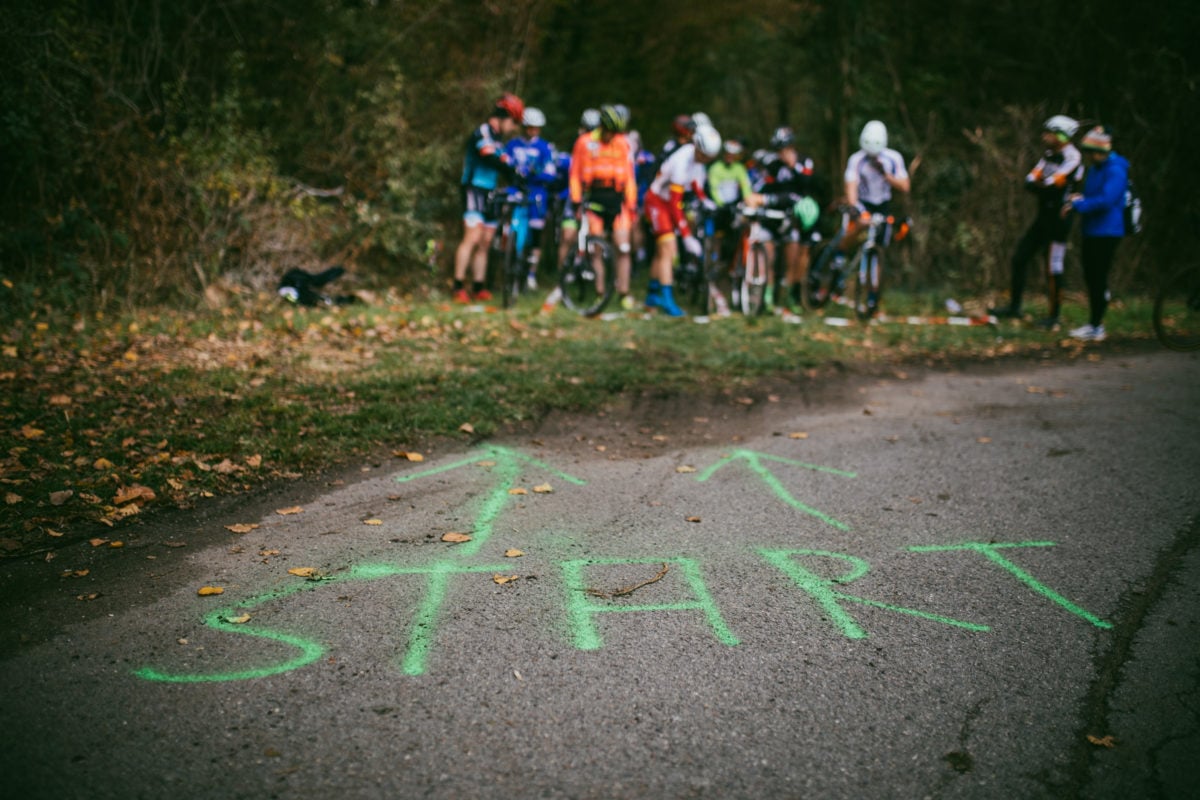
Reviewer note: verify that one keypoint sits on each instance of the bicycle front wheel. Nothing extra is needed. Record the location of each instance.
(1177, 310)
(867, 290)
(754, 285)
(585, 290)
(822, 278)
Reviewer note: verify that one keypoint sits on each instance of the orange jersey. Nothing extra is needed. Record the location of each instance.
(596, 163)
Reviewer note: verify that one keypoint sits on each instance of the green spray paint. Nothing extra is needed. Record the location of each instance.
(507, 469)
(755, 460)
(821, 590)
(581, 610)
(989, 550)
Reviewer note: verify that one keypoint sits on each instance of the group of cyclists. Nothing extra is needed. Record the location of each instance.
(640, 199)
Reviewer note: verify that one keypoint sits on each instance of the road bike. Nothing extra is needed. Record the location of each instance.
(1177, 310)
(752, 271)
(586, 279)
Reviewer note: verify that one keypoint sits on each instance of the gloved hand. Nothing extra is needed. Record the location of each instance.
(708, 204)
(692, 245)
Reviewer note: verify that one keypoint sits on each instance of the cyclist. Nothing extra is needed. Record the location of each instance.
(604, 187)
(788, 184)
(533, 160)
(872, 174)
(664, 208)
(728, 184)
(682, 128)
(484, 164)
(1051, 181)
(569, 225)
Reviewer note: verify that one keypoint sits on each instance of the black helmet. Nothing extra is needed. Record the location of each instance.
(614, 118)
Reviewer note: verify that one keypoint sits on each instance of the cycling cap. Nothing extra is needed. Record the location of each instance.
(733, 147)
(511, 105)
(683, 125)
(533, 118)
(707, 140)
(1098, 140)
(783, 137)
(1062, 125)
(873, 138)
(590, 119)
(612, 118)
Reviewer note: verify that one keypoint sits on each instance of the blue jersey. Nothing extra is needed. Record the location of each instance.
(485, 160)
(533, 160)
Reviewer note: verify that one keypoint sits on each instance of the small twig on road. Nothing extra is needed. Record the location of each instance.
(628, 590)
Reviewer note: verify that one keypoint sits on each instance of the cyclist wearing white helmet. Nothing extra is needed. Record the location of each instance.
(875, 171)
(664, 210)
(533, 159)
(1051, 180)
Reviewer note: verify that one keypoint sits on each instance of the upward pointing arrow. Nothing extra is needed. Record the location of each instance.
(509, 464)
(755, 461)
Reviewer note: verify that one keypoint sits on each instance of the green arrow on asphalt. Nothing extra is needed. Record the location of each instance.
(508, 467)
(754, 461)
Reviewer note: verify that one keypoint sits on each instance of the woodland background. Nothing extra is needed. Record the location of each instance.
(154, 151)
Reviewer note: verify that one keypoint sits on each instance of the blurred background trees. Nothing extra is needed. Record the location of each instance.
(155, 150)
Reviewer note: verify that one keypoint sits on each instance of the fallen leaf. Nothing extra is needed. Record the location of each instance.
(291, 510)
(227, 467)
(503, 579)
(268, 552)
(485, 463)
(372, 522)
(1102, 741)
(408, 455)
(97, 542)
(254, 461)
(58, 498)
(134, 494)
(518, 491)
(984, 440)
(30, 432)
(116, 544)
(797, 435)
(467, 427)
(241, 619)
(1035, 390)
(54, 533)
(513, 552)
(91, 596)
(456, 538)
(12, 498)
(60, 400)
(543, 488)
(241, 527)
(692, 519)
(745, 401)
(102, 463)
(208, 591)
(685, 469)
(303, 572)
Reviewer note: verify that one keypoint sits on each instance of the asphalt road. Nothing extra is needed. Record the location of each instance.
(976, 583)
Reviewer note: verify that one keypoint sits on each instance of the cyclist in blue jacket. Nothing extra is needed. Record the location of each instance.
(533, 159)
(1102, 208)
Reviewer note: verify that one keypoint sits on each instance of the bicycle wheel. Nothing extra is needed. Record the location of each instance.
(583, 291)
(511, 287)
(1177, 310)
(867, 287)
(754, 285)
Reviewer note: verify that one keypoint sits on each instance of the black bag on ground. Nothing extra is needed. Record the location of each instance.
(303, 288)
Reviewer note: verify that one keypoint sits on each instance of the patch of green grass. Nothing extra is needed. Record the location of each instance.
(190, 404)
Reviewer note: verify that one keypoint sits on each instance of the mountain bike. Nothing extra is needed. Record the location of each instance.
(752, 270)
(1177, 310)
(586, 280)
(696, 276)
(866, 235)
(506, 259)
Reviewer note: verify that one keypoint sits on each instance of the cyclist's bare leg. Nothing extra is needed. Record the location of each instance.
(662, 268)
(479, 260)
(473, 233)
(796, 256)
(624, 259)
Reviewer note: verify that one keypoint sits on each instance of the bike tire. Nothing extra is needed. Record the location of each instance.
(868, 284)
(1177, 311)
(581, 292)
(754, 282)
(822, 278)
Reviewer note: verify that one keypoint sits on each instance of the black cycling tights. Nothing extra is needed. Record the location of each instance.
(1098, 253)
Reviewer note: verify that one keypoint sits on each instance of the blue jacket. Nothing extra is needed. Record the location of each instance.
(1103, 204)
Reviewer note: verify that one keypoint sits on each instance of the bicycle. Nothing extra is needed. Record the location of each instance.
(866, 235)
(696, 276)
(752, 272)
(505, 259)
(586, 280)
(1177, 310)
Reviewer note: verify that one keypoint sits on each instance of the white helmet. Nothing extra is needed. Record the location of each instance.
(707, 140)
(1061, 125)
(701, 119)
(533, 118)
(873, 138)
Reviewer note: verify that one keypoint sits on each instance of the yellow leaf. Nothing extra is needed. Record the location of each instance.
(503, 579)
(372, 522)
(1102, 741)
(290, 510)
(456, 538)
(685, 469)
(60, 400)
(518, 490)
(543, 488)
(797, 435)
(134, 494)
(30, 432)
(467, 427)
(239, 620)
(116, 544)
(207, 591)
(692, 519)
(408, 455)
(103, 463)
(513, 552)
(303, 572)
(242, 527)
(254, 461)
(485, 463)
(12, 498)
